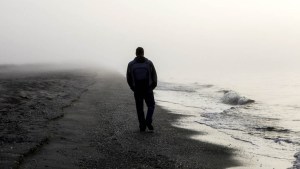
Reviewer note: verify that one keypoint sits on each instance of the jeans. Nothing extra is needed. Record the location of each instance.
(139, 101)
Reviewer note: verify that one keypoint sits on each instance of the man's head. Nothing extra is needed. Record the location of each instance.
(139, 51)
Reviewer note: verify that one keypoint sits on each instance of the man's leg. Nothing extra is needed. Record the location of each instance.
(149, 99)
(139, 102)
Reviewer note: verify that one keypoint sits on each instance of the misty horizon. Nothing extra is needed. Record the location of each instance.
(194, 36)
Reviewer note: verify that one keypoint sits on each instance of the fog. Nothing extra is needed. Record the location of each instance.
(182, 38)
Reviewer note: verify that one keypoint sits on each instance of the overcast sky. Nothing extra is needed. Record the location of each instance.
(179, 36)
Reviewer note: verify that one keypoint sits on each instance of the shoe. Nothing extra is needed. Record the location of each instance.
(142, 129)
(150, 127)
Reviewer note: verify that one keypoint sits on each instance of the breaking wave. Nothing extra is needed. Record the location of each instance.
(233, 98)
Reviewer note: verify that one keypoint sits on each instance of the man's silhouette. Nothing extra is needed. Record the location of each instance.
(142, 79)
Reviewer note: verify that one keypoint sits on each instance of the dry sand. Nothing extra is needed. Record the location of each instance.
(94, 127)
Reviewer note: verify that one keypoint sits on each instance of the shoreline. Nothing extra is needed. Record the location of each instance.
(100, 130)
(221, 122)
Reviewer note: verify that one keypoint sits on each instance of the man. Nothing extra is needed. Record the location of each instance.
(142, 79)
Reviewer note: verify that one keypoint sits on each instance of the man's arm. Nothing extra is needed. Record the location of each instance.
(129, 77)
(154, 76)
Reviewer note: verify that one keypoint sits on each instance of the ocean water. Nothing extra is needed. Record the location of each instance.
(257, 115)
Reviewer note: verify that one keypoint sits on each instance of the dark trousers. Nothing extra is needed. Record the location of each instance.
(139, 101)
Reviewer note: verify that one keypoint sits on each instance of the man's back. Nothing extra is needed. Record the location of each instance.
(141, 74)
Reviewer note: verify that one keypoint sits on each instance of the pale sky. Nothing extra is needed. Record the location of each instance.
(181, 37)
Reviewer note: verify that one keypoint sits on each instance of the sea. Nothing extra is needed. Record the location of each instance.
(256, 114)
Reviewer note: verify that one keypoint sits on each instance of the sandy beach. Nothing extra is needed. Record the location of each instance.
(87, 119)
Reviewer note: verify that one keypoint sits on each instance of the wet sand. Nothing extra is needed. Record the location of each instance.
(95, 127)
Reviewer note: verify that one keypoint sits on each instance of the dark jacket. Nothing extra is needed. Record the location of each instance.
(152, 73)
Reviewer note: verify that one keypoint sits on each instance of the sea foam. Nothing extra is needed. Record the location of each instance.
(297, 162)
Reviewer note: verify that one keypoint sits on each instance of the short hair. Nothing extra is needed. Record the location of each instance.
(139, 51)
